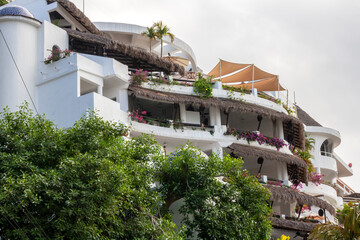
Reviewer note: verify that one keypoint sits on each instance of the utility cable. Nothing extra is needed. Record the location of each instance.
(27, 213)
(18, 70)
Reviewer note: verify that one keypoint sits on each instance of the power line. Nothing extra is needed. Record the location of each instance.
(27, 213)
(18, 70)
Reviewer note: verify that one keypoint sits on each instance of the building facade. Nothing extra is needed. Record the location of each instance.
(96, 76)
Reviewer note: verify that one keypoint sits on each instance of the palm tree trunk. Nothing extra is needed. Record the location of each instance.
(150, 45)
(161, 48)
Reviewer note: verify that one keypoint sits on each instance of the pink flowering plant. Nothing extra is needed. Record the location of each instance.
(254, 136)
(317, 179)
(138, 116)
(138, 77)
(177, 124)
(56, 55)
(297, 187)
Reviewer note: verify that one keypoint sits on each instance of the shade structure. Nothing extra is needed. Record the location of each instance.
(224, 68)
(179, 60)
(246, 76)
(270, 84)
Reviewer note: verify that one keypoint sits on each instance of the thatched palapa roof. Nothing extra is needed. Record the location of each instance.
(292, 195)
(95, 42)
(296, 167)
(78, 15)
(292, 225)
(134, 58)
(306, 118)
(227, 105)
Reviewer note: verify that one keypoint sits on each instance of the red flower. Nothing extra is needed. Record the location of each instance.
(350, 164)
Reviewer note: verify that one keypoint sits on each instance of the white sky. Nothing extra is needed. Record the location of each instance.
(312, 45)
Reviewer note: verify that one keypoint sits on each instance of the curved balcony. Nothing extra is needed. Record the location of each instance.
(328, 192)
(329, 133)
(327, 165)
(217, 93)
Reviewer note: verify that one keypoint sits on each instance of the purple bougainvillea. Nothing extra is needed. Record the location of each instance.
(254, 136)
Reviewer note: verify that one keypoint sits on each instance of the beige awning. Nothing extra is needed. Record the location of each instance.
(245, 76)
(226, 68)
(179, 60)
(270, 84)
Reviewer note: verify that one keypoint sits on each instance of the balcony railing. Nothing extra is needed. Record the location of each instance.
(328, 154)
(344, 187)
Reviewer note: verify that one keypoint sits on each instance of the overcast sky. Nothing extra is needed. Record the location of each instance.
(312, 45)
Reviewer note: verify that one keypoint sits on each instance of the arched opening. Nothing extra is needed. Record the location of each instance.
(326, 148)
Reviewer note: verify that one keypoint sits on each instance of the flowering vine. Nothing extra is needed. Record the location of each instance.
(254, 136)
(56, 55)
(317, 179)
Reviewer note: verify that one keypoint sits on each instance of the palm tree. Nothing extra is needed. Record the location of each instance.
(349, 217)
(150, 33)
(161, 32)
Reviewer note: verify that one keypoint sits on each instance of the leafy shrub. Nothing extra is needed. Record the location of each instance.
(203, 87)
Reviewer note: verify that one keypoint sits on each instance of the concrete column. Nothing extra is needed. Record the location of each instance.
(274, 128)
(215, 116)
(279, 129)
(182, 112)
(100, 90)
(123, 99)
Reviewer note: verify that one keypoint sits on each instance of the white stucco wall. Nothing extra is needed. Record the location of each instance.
(21, 35)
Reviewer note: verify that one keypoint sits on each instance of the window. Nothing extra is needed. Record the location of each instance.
(326, 148)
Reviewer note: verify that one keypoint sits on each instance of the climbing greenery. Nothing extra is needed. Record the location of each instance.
(203, 87)
(91, 181)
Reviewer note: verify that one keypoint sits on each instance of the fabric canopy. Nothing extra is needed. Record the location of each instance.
(226, 68)
(270, 84)
(245, 76)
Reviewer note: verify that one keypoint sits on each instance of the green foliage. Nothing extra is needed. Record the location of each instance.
(235, 207)
(203, 87)
(3, 2)
(305, 154)
(349, 217)
(236, 89)
(92, 182)
(85, 182)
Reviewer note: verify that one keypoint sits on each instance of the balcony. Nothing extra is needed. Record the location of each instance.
(186, 89)
(343, 188)
(327, 164)
(327, 191)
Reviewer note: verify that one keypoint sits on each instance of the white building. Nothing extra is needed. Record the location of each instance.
(96, 76)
